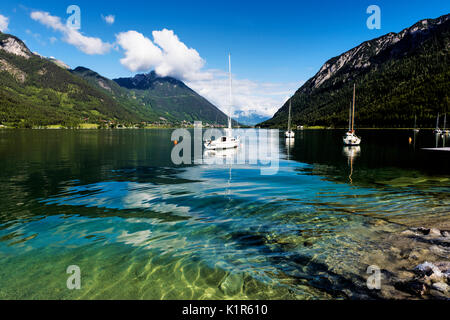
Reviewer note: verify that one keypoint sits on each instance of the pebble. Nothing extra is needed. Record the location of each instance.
(434, 232)
(436, 249)
(408, 233)
(395, 250)
(440, 286)
(443, 265)
(428, 269)
(424, 231)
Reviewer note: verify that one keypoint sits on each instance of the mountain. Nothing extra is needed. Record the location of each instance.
(250, 120)
(397, 76)
(36, 91)
(122, 96)
(171, 98)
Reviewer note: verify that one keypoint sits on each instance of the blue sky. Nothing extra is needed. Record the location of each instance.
(275, 45)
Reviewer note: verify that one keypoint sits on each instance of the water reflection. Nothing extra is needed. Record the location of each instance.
(351, 152)
(416, 132)
(290, 143)
(223, 154)
(441, 136)
(444, 140)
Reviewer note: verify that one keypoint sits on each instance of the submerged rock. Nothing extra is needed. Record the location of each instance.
(424, 231)
(444, 267)
(415, 287)
(408, 233)
(436, 249)
(434, 232)
(429, 279)
(441, 286)
(428, 269)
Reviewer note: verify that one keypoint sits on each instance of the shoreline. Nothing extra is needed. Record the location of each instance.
(192, 127)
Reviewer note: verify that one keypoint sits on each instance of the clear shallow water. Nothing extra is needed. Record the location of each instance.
(140, 227)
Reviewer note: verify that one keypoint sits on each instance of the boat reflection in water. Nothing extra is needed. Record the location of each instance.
(220, 154)
(445, 139)
(290, 143)
(351, 152)
(416, 132)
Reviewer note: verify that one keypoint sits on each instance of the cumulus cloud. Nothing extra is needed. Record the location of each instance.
(166, 54)
(140, 52)
(88, 45)
(109, 19)
(4, 23)
(177, 59)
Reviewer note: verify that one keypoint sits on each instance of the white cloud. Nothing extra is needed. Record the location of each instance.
(168, 56)
(37, 37)
(109, 19)
(249, 97)
(177, 59)
(4, 23)
(140, 52)
(88, 45)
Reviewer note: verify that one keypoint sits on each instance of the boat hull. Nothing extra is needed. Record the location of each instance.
(351, 140)
(220, 145)
(289, 134)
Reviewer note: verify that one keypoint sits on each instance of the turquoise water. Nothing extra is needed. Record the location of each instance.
(140, 227)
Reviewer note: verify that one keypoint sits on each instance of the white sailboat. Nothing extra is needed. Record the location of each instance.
(351, 139)
(289, 133)
(437, 130)
(228, 141)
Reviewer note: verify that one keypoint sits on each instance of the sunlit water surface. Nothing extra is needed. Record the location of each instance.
(140, 227)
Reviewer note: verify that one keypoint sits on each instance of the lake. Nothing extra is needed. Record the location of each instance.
(138, 226)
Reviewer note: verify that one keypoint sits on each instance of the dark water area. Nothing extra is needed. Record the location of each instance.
(380, 149)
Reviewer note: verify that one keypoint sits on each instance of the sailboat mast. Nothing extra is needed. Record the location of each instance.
(231, 93)
(354, 101)
(289, 120)
(445, 121)
(350, 117)
(437, 122)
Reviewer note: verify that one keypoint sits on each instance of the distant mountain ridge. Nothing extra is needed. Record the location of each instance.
(250, 119)
(398, 76)
(172, 99)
